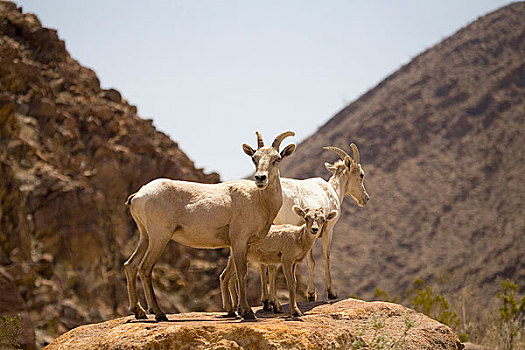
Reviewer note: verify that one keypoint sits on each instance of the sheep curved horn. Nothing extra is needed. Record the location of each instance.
(279, 138)
(260, 142)
(337, 150)
(356, 152)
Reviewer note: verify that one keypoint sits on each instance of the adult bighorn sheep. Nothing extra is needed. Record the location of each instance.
(347, 179)
(284, 245)
(232, 214)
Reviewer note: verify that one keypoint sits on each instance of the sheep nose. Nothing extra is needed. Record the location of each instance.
(260, 178)
(314, 230)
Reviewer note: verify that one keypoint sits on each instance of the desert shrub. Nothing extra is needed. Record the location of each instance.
(501, 326)
(423, 299)
(10, 330)
(380, 294)
(432, 304)
(512, 314)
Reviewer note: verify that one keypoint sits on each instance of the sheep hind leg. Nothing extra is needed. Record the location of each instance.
(131, 269)
(155, 249)
(234, 290)
(226, 289)
(272, 275)
(327, 243)
(289, 273)
(264, 288)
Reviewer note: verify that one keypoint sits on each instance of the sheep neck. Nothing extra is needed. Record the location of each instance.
(272, 197)
(338, 182)
(302, 236)
(305, 239)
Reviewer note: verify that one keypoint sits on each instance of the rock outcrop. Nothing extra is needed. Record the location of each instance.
(70, 154)
(347, 324)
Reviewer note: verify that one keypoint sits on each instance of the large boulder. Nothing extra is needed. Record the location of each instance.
(345, 324)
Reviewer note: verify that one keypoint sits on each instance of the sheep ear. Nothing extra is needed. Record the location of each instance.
(330, 167)
(288, 150)
(248, 150)
(299, 211)
(349, 162)
(331, 215)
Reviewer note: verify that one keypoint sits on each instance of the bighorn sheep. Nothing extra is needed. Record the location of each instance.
(286, 245)
(347, 179)
(232, 214)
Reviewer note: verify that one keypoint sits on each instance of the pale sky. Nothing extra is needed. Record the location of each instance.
(211, 73)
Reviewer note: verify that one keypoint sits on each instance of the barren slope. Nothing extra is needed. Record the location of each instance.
(442, 143)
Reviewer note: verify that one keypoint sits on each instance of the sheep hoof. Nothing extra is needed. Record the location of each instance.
(230, 314)
(140, 313)
(277, 309)
(161, 318)
(311, 297)
(297, 313)
(266, 305)
(248, 315)
(332, 295)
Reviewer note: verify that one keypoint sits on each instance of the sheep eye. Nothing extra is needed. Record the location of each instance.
(254, 161)
(362, 176)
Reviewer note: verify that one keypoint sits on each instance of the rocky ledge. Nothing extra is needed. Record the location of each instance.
(346, 324)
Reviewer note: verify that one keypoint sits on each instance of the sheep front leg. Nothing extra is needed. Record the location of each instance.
(241, 268)
(289, 273)
(310, 263)
(327, 243)
(225, 278)
(131, 269)
(264, 288)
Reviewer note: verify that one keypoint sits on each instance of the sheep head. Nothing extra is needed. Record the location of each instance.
(351, 170)
(267, 158)
(314, 219)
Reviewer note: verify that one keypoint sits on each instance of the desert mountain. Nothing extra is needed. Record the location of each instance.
(70, 154)
(442, 142)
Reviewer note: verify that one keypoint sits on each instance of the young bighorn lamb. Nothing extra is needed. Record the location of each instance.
(286, 245)
(347, 179)
(232, 214)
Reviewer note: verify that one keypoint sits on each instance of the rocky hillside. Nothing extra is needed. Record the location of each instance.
(442, 142)
(347, 324)
(70, 154)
